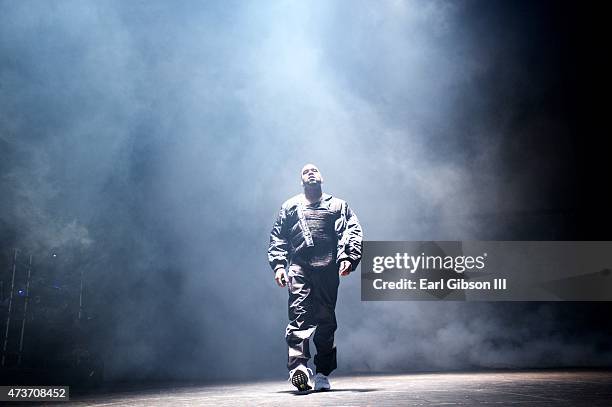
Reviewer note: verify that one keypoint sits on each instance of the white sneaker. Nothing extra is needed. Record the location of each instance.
(301, 378)
(321, 382)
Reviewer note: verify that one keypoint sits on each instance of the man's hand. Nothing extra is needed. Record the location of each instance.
(280, 277)
(345, 268)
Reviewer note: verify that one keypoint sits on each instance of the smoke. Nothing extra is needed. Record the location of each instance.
(162, 138)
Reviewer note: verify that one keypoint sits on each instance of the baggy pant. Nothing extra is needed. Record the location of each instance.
(312, 304)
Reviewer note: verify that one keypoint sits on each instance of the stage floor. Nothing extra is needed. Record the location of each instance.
(531, 388)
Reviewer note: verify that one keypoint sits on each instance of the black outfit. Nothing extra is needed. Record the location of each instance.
(310, 241)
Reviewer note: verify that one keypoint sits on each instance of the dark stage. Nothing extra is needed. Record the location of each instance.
(147, 147)
(502, 388)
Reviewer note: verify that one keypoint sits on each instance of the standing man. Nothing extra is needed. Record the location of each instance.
(316, 238)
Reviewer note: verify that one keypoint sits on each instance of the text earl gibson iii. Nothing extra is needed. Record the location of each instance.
(423, 262)
(441, 284)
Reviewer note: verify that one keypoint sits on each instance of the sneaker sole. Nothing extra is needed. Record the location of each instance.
(300, 381)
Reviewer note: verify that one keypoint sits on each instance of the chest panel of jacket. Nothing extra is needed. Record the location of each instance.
(321, 222)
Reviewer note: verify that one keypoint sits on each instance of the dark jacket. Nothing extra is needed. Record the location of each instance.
(287, 240)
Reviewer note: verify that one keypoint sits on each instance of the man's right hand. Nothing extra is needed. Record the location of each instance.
(280, 277)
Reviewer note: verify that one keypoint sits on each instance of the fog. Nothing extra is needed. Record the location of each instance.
(158, 140)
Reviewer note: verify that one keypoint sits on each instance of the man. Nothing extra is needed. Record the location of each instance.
(316, 238)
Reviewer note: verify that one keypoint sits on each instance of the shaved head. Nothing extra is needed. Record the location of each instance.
(309, 165)
(310, 175)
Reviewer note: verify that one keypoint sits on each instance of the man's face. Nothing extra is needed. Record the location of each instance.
(311, 175)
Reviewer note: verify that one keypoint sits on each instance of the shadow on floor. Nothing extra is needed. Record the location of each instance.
(305, 393)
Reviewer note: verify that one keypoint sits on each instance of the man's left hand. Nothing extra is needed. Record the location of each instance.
(345, 268)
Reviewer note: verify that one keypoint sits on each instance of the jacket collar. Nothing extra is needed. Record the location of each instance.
(324, 201)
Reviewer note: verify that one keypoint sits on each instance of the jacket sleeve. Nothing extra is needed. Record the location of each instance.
(350, 237)
(279, 245)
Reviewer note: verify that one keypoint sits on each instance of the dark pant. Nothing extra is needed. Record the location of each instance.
(312, 303)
